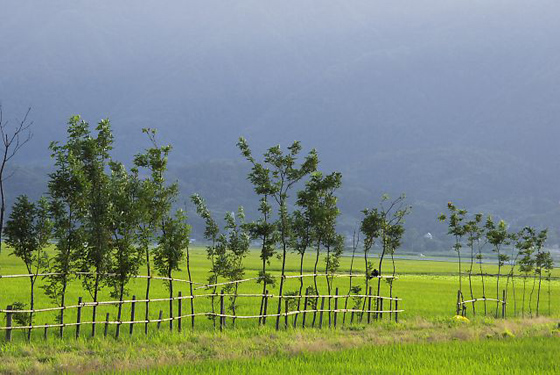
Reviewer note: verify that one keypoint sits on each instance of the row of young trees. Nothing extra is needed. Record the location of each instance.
(107, 220)
(526, 252)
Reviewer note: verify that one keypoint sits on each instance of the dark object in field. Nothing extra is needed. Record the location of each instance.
(373, 274)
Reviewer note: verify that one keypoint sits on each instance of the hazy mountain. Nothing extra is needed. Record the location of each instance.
(442, 100)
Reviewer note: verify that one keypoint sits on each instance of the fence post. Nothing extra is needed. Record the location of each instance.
(396, 309)
(369, 305)
(45, 334)
(106, 325)
(286, 308)
(321, 312)
(179, 311)
(504, 304)
(265, 308)
(9, 324)
(380, 308)
(159, 319)
(132, 314)
(79, 317)
(305, 308)
(335, 305)
(458, 302)
(222, 311)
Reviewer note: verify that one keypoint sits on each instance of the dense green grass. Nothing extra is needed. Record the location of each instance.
(428, 290)
(535, 355)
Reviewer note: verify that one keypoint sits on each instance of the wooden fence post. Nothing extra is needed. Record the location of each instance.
(396, 309)
(106, 325)
(369, 306)
(265, 307)
(286, 307)
(132, 314)
(79, 317)
(222, 311)
(380, 308)
(335, 306)
(179, 311)
(9, 324)
(159, 319)
(45, 334)
(321, 312)
(458, 302)
(304, 308)
(504, 296)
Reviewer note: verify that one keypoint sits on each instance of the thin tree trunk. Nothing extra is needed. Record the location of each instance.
(470, 280)
(350, 283)
(483, 283)
(63, 305)
(315, 280)
(31, 305)
(300, 287)
(523, 300)
(498, 284)
(284, 251)
(531, 297)
(539, 292)
(190, 287)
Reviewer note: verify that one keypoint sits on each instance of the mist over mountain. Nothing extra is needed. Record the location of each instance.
(441, 100)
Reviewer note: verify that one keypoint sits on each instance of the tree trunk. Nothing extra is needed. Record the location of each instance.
(148, 284)
(95, 294)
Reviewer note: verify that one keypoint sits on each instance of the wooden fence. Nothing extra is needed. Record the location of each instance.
(315, 312)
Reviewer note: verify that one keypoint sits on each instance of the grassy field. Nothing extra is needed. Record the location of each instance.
(428, 290)
(534, 355)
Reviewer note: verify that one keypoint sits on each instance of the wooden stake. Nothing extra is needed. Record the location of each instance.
(305, 308)
(286, 307)
(396, 309)
(132, 313)
(504, 304)
(265, 308)
(369, 306)
(9, 324)
(106, 325)
(79, 317)
(321, 312)
(159, 319)
(45, 334)
(222, 311)
(381, 308)
(335, 306)
(179, 311)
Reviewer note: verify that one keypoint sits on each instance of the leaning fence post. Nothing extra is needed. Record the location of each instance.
(9, 323)
(79, 317)
(369, 306)
(335, 305)
(222, 310)
(396, 309)
(132, 314)
(179, 310)
(159, 319)
(504, 304)
(305, 308)
(106, 325)
(321, 312)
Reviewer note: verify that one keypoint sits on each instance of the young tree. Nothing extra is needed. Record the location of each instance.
(474, 232)
(91, 156)
(497, 235)
(457, 230)
(12, 141)
(156, 198)
(27, 232)
(66, 191)
(283, 175)
(540, 262)
(124, 218)
(526, 246)
(214, 248)
(170, 251)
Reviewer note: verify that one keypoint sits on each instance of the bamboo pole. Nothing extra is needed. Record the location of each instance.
(179, 311)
